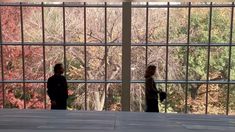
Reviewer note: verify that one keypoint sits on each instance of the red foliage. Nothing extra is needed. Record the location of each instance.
(13, 70)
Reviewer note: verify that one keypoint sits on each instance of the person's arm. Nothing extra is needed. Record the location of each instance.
(50, 90)
(155, 88)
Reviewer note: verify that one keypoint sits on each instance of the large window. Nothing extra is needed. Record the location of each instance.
(190, 43)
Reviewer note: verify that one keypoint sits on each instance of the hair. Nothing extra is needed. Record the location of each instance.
(57, 67)
(150, 71)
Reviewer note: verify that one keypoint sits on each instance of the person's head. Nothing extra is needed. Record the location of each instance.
(58, 68)
(150, 71)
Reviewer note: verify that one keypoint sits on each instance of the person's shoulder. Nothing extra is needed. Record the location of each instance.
(51, 78)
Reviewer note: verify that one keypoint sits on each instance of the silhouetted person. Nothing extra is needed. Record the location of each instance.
(151, 92)
(57, 88)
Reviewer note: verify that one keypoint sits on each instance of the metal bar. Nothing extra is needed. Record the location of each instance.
(167, 50)
(187, 59)
(146, 36)
(2, 67)
(114, 5)
(23, 57)
(182, 6)
(44, 56)
(230, 56)
(106, 50)
(132, 81)
(114, 44)
(85, 55)
(64, 41)
(60, 5)
(208, 59)
(126, 55)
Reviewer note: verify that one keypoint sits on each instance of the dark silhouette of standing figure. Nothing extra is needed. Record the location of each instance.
(58, 88)
(151, 92)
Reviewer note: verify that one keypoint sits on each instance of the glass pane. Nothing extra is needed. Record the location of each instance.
(48, 102)
(76, 100)
(157, 25)
(95, 62)
(95, 96)
(221, 22)
(138, 62)
(1, 55)
(196, 98)
(176, 98)
(137, 100)
(53, 18)
(75, 62)
(232, 100)
(157, 57)
(138, 25)
(199, 26)
(95, 25)
(12, 62)
(33, 63)
(232, 69)
(14, 97)
(114, 63)
(177, 63)
(35, 95)
(74, 23)
(54, 54)
(197, 63)
(178, 25)
(32, 17)
(114, 93)
(217, 96)
(114, 25)
(1, 95)
(11, 30)
(219, 63)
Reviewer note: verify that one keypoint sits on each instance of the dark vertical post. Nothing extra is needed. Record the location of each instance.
(230, 57)
(23, 59)
(208, 58)
(187, 59)
(44, 54)
(167, 50)
(106, 50)
(85, 56)
(126, 55)
(2, 67)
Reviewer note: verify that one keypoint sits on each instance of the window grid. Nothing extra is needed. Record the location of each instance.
(147, 44)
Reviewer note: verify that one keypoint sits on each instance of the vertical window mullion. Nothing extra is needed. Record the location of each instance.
(64, 42)
(3, 90)
(187, 58)
(146, 35)
(44, 54)
(106, 50)
(230, 57)
(23, 59)
(208, 58)
(85, 56)
(167, 50)
(126, 55)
